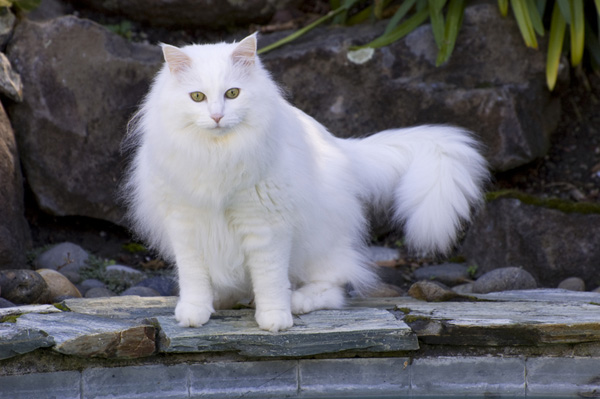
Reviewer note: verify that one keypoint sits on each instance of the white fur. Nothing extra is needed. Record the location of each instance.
(268, 203)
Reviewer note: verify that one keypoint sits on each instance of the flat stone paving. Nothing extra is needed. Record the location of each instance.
(520, 343)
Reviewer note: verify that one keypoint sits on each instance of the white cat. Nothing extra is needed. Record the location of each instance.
(250, 196)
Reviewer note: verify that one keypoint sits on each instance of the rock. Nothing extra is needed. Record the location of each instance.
(384, 290)
(319, 332)
(463, 289)
(166, 286)
(498, 91)
(99, 292)
(504, 279)
(73, 276)
(431, 291)
(64, 257)
(383, 255)
(549, 243)
(10, 82)
(181, 14)
(448, 274)
(140, 291)
(7, 23)
(493, 84)
(572, 284)
(5, 303)
(87, 284)
(58, 285)
(15, 237)
(15, 341)
(69, 127)
(87, 336)
(23, 286)
(122, 269)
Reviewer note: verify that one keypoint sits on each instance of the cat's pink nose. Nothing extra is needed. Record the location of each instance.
(216, 117)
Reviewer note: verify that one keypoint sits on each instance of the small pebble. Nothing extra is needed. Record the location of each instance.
(384, 290)
(166, 286)
(572, 284)
(5, 303)
(85, 285)
(58, 285)
(140, 291)
(504, 279)
(122, 269)
(22, 286)
(99, 292)
(463, 289)
(450, 274)
(63, 257)
(431, 291)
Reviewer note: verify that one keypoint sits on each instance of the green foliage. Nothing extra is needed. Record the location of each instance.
(123, 28)
(134, 247)
(115, 281)
(21, 5)
(445, 17)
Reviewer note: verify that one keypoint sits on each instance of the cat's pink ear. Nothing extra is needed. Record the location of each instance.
(245, 52)
(177, 60)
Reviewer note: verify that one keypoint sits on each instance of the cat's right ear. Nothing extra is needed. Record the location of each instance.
(177, 60)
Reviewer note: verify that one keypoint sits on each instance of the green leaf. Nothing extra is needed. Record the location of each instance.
(565, 9)
(536, 19)
(577, 30)
(454, 19)
(437, 20)
(300, 32)
(503, 6)
(523, 18)
(399, 32)
(399, 14)
(555, 45)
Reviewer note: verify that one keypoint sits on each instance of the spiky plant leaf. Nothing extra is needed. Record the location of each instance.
(577, 31)
(555, 45)
(399, 14)
(521, 12)
(454, 19)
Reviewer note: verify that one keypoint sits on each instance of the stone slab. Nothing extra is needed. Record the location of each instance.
(457, 376)
(324, 331)
(91, 336)
(136, 382)
(354, 377)
(541, 295)
(265, 379)
(502, 323)
(18, 310)
(16, 341)
(566, 377)
(131, 307)
(61, 384)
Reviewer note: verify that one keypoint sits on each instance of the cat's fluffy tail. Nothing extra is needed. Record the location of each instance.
(430, 177)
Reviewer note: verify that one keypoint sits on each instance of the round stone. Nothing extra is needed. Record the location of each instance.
(22, 286)
(140, 291)
(572, 284)
(59, 285)
(99, 292)
(504, 279)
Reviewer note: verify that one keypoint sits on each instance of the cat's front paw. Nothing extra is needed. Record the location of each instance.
(274, 320)
(191, 315)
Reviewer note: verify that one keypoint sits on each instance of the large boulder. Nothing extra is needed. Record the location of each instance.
(493, 84)
(81, 85)
(550, 239)
(14, 231)
(181, 14)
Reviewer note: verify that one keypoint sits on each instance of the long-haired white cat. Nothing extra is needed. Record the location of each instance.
(250, 196)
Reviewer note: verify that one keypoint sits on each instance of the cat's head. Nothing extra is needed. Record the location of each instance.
(214, 87)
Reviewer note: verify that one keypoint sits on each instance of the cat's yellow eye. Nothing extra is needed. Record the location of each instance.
(232, 93)
(197, 96)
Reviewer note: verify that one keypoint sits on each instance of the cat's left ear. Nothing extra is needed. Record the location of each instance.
(245, 52)
(177, 60)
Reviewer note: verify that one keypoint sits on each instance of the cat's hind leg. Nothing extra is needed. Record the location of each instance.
(317, 295)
